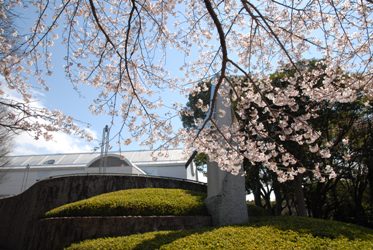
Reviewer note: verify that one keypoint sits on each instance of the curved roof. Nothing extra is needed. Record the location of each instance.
(113, 160)
(141, 157)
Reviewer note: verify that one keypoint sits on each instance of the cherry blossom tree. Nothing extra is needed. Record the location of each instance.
(122, 47)
(333, 121)
(20, 112)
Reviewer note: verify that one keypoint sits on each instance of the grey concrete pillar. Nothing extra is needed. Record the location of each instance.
(226, 195)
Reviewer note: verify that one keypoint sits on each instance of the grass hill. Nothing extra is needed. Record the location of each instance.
(264, 232)
(144, 201)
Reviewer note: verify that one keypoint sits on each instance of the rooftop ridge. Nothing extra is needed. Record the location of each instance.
(95, 152)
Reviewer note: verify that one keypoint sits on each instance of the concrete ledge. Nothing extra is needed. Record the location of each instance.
(57, 233)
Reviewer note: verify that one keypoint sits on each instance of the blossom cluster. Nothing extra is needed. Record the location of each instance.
(273, 120)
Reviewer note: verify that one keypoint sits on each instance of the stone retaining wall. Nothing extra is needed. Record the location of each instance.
(57, 233)
(19, 215)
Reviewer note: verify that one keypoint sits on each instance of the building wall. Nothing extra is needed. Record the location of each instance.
(15, 181)
(193, 174)
(24, 171)
(176, 171)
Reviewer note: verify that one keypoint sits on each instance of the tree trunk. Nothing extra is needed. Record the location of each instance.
(299, 196)
(279, 198)
(256, 187)
(370, 178)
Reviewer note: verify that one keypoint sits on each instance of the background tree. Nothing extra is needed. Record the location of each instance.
(6, 141)
(5, 138)
(344, 127)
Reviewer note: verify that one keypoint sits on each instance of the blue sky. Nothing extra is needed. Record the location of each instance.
(63, 97)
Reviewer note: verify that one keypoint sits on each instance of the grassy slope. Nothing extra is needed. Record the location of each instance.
(262, 233)
(146, 201)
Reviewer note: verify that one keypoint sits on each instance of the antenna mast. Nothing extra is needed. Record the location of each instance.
(104, 149)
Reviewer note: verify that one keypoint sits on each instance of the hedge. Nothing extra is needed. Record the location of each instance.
(263, 233)
(145, 202)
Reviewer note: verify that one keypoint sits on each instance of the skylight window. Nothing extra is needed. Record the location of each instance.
(49, 162)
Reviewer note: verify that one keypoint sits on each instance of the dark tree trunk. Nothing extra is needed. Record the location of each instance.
(369, 153)
(300, 204)
(278, 195)
(360, 216)
(256, 187)
(370, 177)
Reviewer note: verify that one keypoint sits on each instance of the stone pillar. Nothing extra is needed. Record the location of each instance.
(226, 195)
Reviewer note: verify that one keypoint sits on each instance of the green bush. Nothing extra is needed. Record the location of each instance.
(316, 227)
(146, 202)
(253, 210)
(263, 233)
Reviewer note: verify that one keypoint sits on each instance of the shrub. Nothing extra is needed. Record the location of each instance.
(255, 211)
(263, 233)
(316, 227)
(146, 202)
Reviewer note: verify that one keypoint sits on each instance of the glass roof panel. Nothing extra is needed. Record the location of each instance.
(85, 158)
(35, 160)
(17, 160)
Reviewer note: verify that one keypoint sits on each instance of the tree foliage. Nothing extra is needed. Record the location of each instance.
(344, 190)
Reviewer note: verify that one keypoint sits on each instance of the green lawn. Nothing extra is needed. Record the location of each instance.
(145, 202)
(262, 233)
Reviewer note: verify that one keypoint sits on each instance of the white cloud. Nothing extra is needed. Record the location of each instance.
(25, 144)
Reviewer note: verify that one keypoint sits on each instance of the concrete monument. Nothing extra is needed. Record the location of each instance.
(226, 195)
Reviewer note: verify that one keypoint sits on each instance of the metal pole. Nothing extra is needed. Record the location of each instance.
(107, 131)
(104, 149)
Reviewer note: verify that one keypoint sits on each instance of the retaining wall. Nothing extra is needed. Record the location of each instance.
(20, 215)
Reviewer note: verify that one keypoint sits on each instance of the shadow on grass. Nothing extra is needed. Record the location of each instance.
(303, 225)
(250, 235)
(316, 227)
(167, 238)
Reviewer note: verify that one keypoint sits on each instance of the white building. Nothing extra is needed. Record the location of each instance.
(21, 172)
